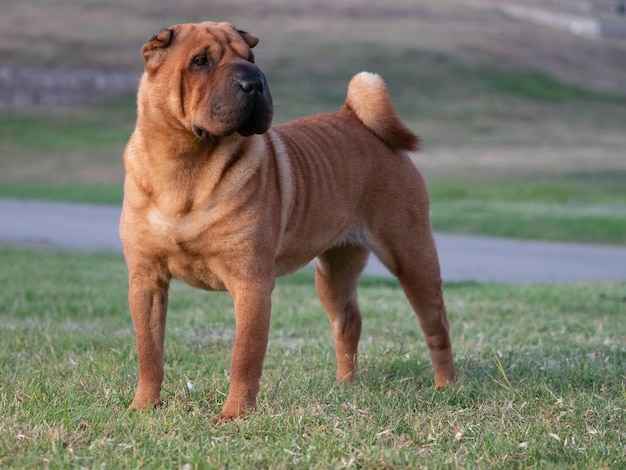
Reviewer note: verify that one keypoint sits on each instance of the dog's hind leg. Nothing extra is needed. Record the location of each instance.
(406, 246)
(337, 273)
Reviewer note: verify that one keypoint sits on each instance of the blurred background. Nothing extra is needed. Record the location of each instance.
(521, 106)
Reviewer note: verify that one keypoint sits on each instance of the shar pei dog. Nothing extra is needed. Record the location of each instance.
(217, 198)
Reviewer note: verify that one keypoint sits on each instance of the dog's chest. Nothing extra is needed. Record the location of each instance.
(188, 246)
(174, 229)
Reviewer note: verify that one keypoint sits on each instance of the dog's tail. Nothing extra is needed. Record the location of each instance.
(369, 100)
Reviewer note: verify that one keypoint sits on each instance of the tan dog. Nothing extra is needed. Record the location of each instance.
(209, 201)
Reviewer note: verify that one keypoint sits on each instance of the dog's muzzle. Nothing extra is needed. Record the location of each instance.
(258, 109)
(243, 104)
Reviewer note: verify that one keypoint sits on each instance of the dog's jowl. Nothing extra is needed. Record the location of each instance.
(217, 198)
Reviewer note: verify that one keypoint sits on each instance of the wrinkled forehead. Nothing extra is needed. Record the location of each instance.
(219, 38)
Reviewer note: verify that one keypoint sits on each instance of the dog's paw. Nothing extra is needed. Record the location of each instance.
(223, 418)
(141, 402)
(445, 377)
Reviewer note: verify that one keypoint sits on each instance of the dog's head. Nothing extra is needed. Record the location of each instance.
(203, 76)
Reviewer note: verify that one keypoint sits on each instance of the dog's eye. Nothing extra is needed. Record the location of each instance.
(200, 61)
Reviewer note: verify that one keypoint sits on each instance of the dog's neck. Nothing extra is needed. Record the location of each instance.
(184, 163)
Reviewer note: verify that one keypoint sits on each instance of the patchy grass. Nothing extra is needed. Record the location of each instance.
(541, 377)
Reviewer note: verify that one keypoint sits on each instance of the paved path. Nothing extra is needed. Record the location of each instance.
(92, 228)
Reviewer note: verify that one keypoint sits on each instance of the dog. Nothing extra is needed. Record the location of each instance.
(216, 197)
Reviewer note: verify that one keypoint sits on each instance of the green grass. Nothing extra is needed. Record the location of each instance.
(542, 381)
(95, 193)
(583, 207)
(537, 86)
(589, 223)
(69, 128)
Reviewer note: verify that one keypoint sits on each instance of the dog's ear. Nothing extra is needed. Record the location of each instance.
(154, 49)
(251, 39)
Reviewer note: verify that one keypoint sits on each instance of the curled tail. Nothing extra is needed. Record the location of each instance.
(369, 100)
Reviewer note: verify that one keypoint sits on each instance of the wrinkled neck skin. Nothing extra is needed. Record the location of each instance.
(183, 156)
(166, 129)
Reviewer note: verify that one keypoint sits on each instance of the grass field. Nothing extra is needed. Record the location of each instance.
(541, 384)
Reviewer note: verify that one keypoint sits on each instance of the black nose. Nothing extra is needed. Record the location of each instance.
(251, 84)
(248, 78)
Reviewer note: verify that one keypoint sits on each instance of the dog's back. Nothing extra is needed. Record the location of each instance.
(356, 164)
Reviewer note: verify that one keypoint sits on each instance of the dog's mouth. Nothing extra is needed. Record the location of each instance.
(248, 128)
(258, 117)
(257, 122)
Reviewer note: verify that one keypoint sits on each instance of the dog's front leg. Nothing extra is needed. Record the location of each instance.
(252, 314)
(148, 307)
